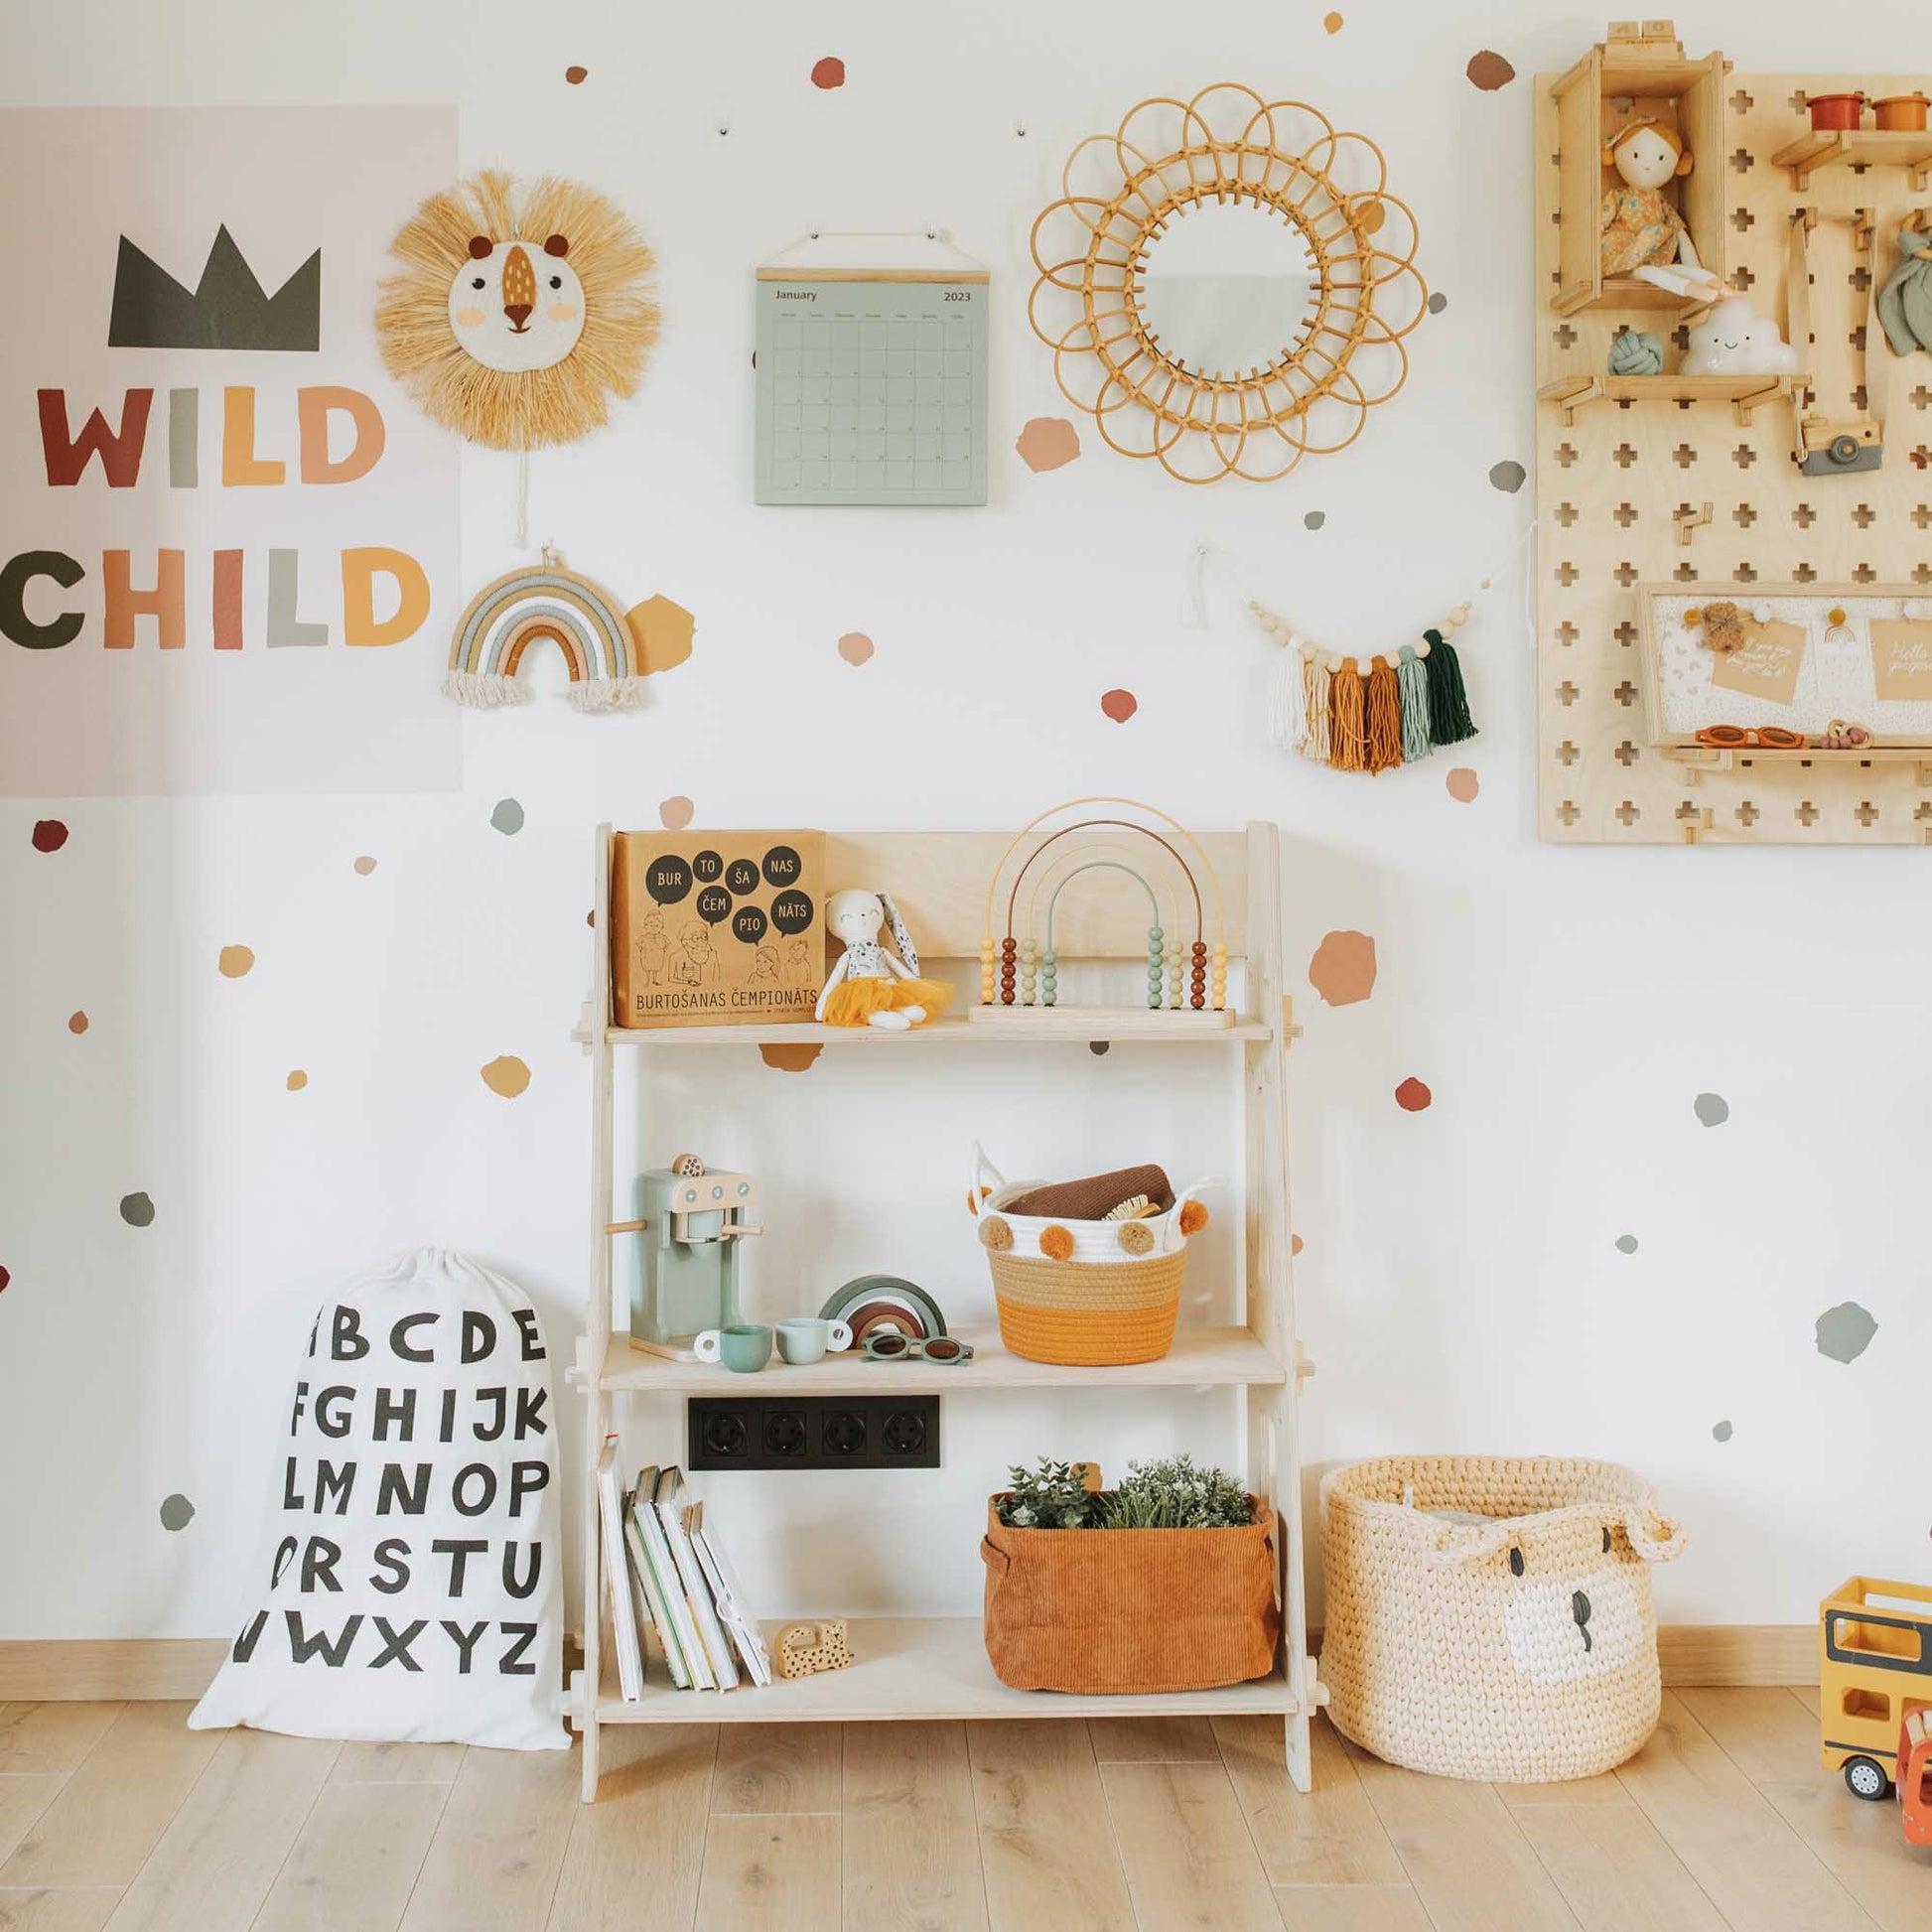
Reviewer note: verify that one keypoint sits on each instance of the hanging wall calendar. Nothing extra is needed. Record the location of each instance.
(871, 372)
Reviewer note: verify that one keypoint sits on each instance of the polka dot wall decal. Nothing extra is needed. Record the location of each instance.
(674, 815)
(1342, 970)
(856, 647)
(1099, 1048)
(1118, 705)
(1627, 1244)
(365, 866)
(50, 835)
(1489, 72)
(1294, 1244)
(297, 1080)
(234, 962)
(577, 75)
(1711, 1108)
(177, 1512)
(5, 1278)
(1314, 520)
(1845, 1333)
(828, 73)
(1412, 1096)
(663, 631)
(1720, 1432)
(508, 817)
(790, 1059)
(76, 1022)
(137, 1210)
(1508, 477)
(506, 1075)
(1437, 303)
(1463, 784)
(1332, 22)
(1047, 443)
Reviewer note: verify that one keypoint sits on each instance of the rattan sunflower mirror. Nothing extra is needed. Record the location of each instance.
(1225, 284)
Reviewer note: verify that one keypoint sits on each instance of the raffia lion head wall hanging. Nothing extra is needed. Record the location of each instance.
(518, 314)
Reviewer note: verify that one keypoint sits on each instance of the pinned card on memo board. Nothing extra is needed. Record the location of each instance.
(871, 359)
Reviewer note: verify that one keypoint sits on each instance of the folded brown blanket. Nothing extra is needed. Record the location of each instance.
(1093, 1198)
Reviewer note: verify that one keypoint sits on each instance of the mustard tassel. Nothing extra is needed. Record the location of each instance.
(1348, 746)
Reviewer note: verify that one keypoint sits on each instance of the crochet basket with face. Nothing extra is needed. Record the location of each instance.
(518, 306)
(1571, 1611)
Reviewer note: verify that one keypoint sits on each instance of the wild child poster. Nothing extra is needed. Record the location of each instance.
(228, 544)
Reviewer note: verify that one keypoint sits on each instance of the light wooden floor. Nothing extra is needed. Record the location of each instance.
(116, 1815)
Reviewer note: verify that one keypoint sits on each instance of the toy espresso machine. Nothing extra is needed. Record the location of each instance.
(689, 1225)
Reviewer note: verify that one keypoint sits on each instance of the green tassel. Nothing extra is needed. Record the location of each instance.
(1450, 722)
(1411, 682)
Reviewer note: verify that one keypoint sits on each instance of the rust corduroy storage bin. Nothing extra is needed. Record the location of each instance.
(1130, 1612)
(1519, 1647)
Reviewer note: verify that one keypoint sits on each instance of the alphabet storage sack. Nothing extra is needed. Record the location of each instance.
(411, 1586)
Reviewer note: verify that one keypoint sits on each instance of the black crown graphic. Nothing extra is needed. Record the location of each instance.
(228, 309)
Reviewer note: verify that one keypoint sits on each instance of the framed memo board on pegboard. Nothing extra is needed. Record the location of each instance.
(871, 360)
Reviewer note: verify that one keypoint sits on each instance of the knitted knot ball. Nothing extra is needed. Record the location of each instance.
(1056, 1243)
(1194, 1217)
(994, 1233)
(1636, 352)
(1136, 1238)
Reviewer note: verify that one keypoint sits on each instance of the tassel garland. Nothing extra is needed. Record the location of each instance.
(1384, 720)
(1411, 676)
(1347, 703)
(1449, 704)
(1406, 705)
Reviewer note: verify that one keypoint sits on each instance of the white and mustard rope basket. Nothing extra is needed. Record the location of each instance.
(1089, 1294)
(1489, 1617)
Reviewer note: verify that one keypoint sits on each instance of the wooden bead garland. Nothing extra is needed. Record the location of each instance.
(1394, 710)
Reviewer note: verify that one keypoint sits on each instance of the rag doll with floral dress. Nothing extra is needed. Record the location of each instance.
(1641, 235)
(869, 986)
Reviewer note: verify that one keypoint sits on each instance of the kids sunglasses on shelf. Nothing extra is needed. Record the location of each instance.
(945, 1350)
(1746, 738)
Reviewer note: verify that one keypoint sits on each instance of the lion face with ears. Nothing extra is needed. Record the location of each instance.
(1491, 1617)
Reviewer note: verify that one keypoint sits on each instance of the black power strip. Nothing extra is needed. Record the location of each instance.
(814, 1432)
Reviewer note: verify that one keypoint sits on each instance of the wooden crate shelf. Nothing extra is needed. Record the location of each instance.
(1202, 1356)
(917, 1667)
(1814, 152)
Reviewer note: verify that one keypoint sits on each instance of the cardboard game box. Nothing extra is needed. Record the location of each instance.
(716, 928)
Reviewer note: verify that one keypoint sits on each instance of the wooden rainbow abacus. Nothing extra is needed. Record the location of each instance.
(1019, 971)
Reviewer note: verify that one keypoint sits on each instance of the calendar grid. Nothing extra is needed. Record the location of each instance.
(872, 393)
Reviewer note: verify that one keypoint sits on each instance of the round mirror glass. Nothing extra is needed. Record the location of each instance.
(1227, 287)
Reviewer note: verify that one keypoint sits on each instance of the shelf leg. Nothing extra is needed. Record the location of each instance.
(1301, 1752)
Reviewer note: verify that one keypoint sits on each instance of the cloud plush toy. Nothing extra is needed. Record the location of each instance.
(1734, 339)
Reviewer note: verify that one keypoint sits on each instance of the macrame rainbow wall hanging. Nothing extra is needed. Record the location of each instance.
(608, 650)
(1395, 709)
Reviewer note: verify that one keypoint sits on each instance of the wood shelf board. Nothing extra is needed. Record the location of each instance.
(1573, 392)
(909, 1668)
(1824, 148)
(1043, 1026)
(1202, 1356)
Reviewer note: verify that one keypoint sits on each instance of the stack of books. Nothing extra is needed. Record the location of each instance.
(667, 1575)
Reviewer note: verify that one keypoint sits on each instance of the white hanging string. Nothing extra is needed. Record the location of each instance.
(523, 499)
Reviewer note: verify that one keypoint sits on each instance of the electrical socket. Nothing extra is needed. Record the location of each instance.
(816, 1432)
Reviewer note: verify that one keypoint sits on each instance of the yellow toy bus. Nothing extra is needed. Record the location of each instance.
(1874, 1667)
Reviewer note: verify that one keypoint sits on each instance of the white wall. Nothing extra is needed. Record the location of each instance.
(1459, 1286)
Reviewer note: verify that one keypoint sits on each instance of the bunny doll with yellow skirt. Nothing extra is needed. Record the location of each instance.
(868, 985)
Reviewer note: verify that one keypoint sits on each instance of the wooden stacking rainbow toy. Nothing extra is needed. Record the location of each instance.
(582, 619)
(1019, 971)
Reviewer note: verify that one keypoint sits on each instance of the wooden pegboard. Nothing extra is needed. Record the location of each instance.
(1610, 482)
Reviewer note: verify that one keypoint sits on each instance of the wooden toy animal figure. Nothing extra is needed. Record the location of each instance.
(868, 985)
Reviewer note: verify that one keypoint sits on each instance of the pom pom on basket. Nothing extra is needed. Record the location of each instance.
(1520, 1647)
